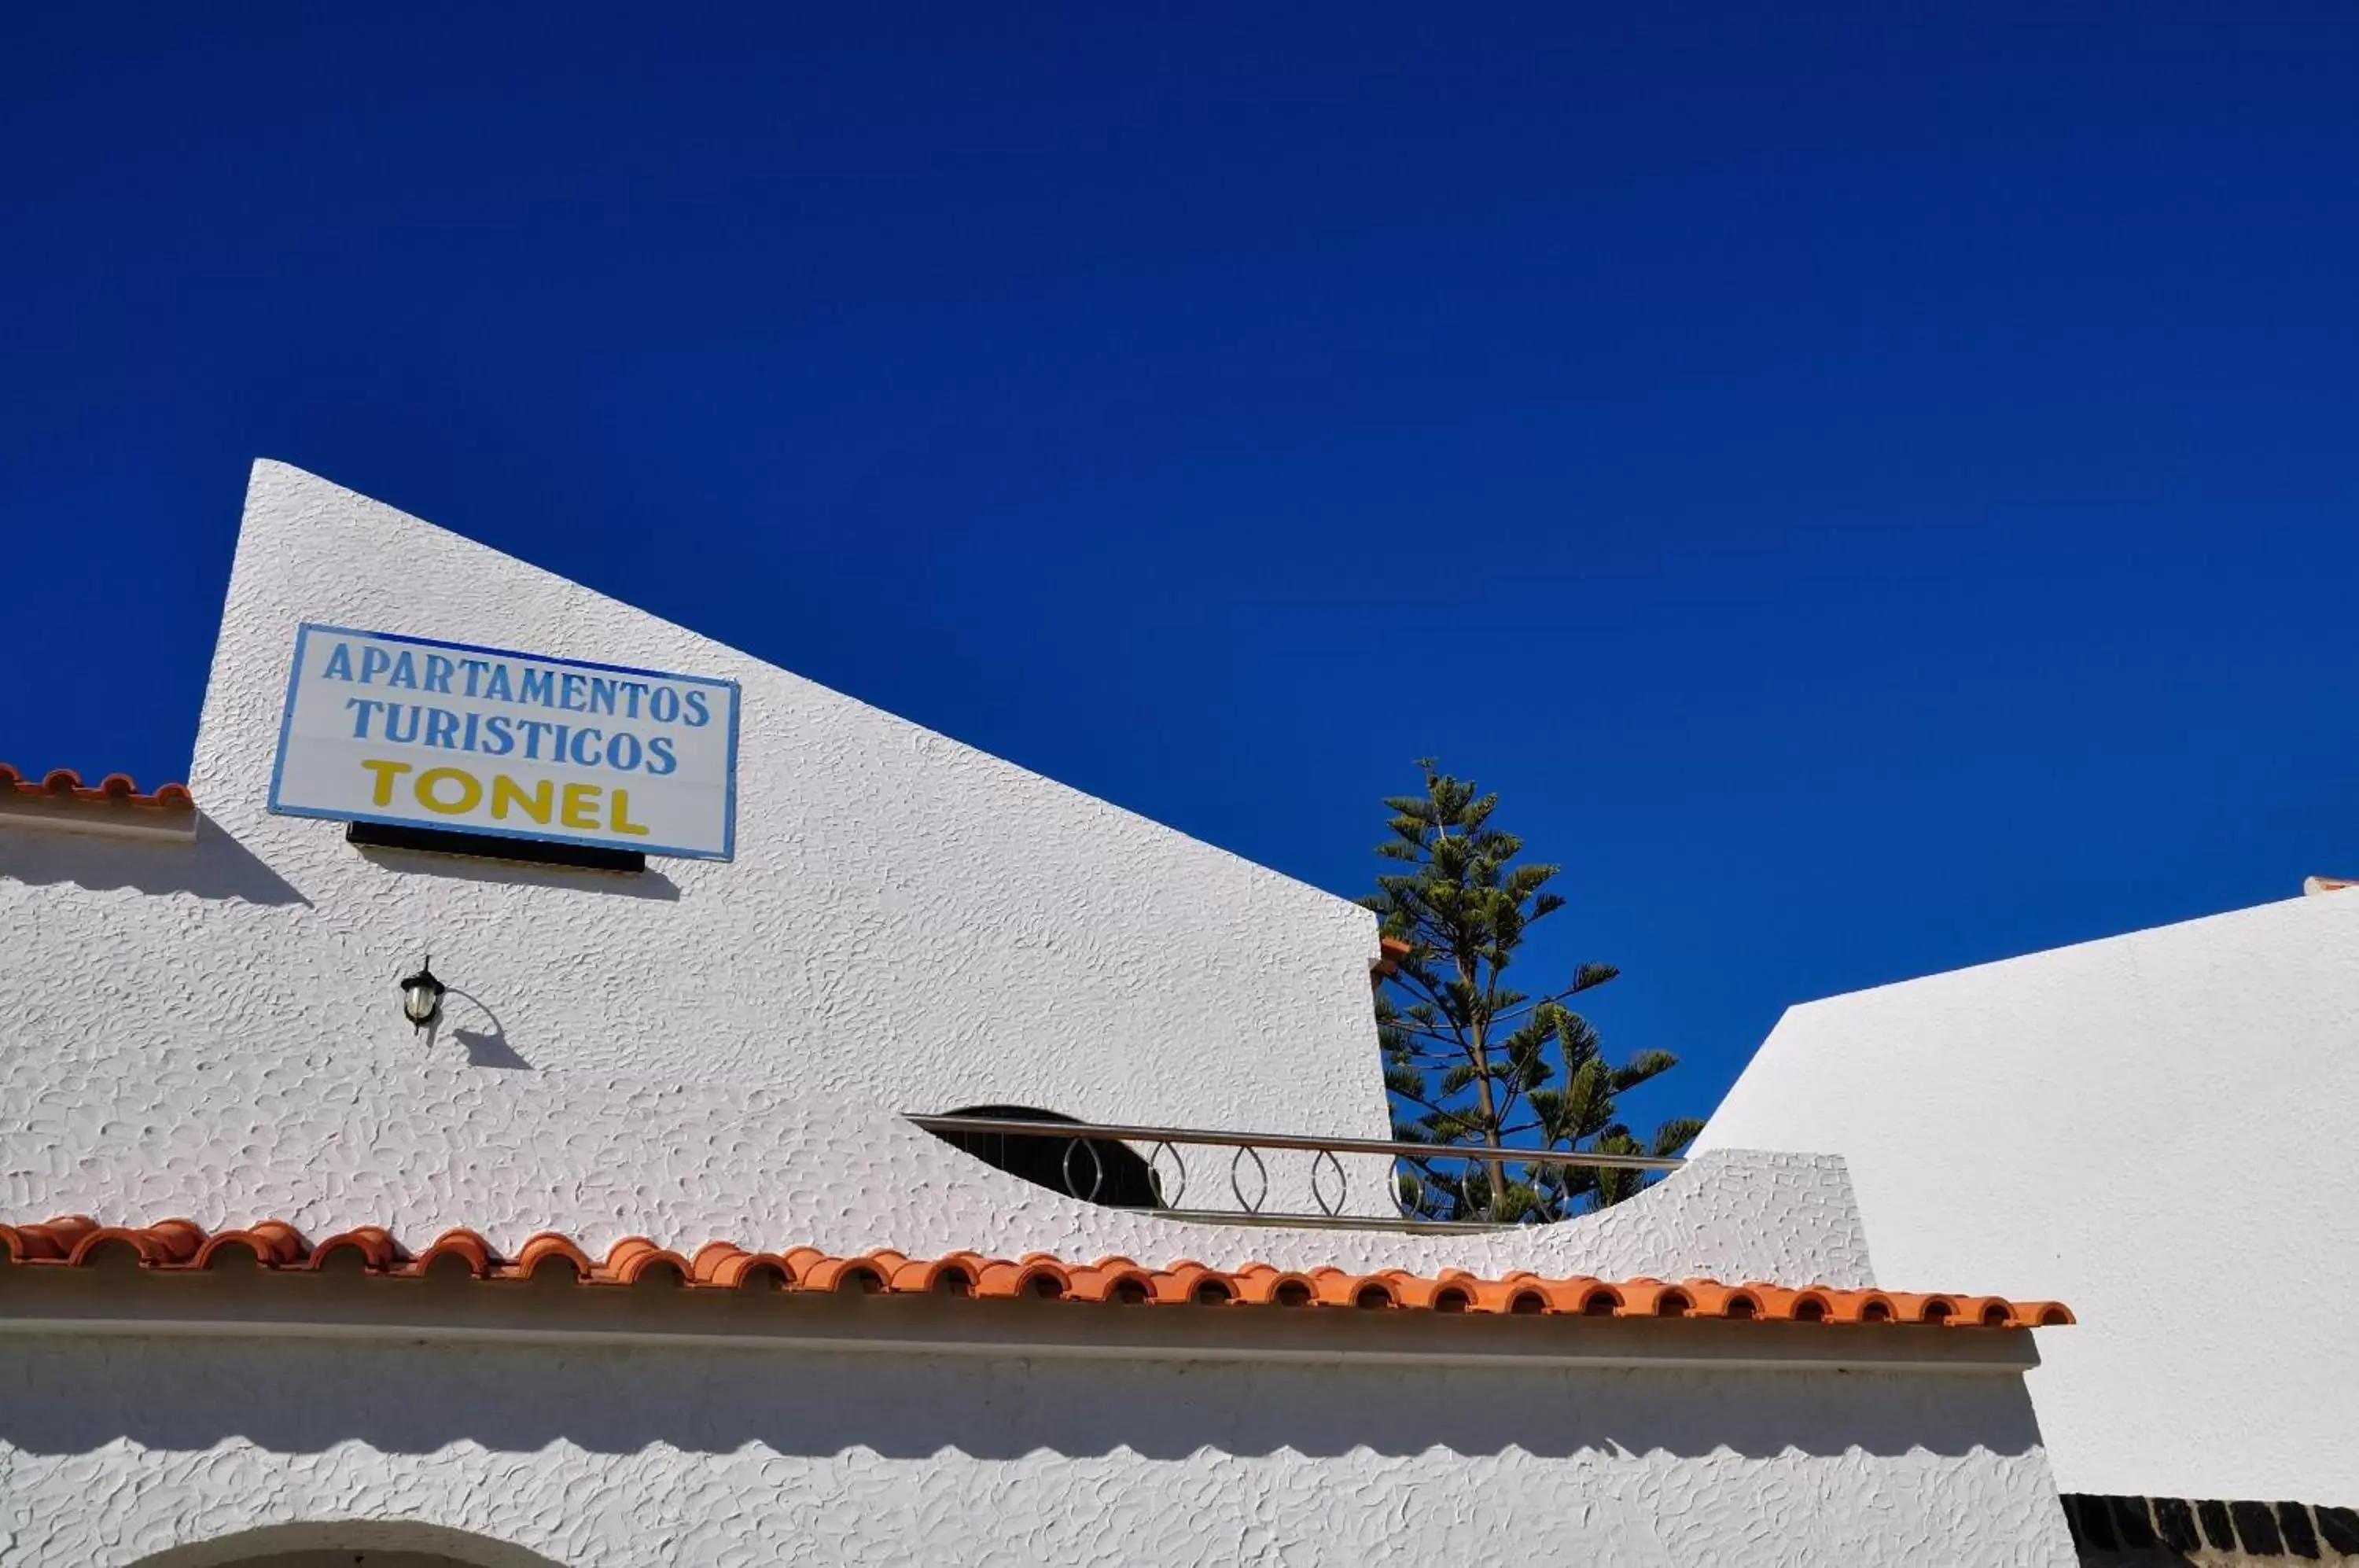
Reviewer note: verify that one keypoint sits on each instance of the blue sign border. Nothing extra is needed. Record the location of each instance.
(286, 721)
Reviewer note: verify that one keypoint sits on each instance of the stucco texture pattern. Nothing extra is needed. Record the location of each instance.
(119, 1450)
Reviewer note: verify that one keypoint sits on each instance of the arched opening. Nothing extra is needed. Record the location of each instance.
(337, 1557)
(1094, 1169)
(349, 1543)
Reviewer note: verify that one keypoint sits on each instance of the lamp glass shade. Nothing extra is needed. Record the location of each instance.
(422, 997)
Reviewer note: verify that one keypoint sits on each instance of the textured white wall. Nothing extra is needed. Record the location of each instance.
(331, 1139)
(2156, 1128)
(906, 915)
(117, 1450)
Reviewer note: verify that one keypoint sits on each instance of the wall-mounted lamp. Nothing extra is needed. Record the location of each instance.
(421, 997)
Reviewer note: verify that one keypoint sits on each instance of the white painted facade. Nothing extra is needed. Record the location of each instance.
(722, 1050)
(2157, 1127)
(698, 1458)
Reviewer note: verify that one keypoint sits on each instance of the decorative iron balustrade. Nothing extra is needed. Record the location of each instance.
(1406, 1171)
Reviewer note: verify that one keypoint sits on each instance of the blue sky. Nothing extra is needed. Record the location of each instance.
(1874, 488)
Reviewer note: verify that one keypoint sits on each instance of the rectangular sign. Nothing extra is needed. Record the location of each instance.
(384, 728)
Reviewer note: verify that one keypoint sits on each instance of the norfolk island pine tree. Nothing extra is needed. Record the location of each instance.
(1471, 1062)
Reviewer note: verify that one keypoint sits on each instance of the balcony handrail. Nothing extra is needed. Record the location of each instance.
(1482, 1152)
(1084, 1138)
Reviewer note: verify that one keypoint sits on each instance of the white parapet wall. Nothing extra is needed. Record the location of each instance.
(2157, 1129)
(330, 1141)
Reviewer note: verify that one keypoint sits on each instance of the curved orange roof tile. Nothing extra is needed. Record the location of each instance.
(271, 1244)
(49, 1243)
(464, 1244)
(866, 1274)
(731, 1268)
(64, 783)
(1114, 1279)
(634, 1259)
(178, 1245)
(373, 1244)
(165, 1244)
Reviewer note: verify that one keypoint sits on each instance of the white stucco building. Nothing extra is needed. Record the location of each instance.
(632, 1256)
(2152, 1125)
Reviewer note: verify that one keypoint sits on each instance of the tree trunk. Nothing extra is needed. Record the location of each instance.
(1480, 1032)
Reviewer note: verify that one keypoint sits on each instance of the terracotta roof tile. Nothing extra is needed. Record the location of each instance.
(65, 784)
(180, 1245)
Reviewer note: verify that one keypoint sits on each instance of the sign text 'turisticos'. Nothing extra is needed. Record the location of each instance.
(404, 730)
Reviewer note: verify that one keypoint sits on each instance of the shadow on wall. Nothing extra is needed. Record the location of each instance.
(76, 1396)
(218, 867)
(648, 884)
(2116, 1531)
(215, 866)
(484, 1047)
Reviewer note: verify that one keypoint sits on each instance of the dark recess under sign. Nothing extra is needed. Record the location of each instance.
(486, 846)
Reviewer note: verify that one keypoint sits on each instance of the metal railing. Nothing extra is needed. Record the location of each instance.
(1084, 1170)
